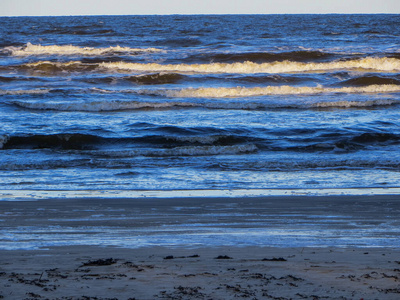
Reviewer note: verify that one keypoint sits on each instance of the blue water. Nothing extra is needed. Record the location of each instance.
(199, 102)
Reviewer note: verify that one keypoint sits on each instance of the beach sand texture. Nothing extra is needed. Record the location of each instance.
(206, 273)
(200, 271)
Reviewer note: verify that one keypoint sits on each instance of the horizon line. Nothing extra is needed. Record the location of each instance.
(202, 14)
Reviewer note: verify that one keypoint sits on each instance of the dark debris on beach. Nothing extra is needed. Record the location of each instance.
(100, 262)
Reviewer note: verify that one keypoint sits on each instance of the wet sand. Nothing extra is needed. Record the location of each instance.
(177, 262)
(207, 273)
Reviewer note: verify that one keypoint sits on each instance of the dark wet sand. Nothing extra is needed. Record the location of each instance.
(145, 213)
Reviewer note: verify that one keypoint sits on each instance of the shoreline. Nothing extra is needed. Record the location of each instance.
(277, 221)
(32, 195)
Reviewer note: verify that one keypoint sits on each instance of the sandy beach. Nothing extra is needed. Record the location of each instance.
(62, 261)
(205, 273)
(199, 151)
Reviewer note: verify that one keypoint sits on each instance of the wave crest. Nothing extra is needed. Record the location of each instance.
(261, 91)
(121, 105)
(32, 50)
(370, 64)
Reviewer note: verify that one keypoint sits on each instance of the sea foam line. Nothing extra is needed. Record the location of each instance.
(370, 64)
(35, 195)
(31, 50)
(261, 91)
(24, 92)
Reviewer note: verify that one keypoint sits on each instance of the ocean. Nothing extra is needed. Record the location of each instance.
(199, 102)
(220, 105)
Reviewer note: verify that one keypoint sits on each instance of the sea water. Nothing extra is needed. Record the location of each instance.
(176, 106)
(209, 102)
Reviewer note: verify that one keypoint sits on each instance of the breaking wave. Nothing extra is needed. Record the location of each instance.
(261, 91)
(370, 64)
(33, 50)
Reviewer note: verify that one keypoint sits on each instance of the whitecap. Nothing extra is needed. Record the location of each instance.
(34, 50)
(223, 92)
(369, 64)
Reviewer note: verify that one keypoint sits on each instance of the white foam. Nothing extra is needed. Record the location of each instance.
(24, 92)
(369, 64)
(35, 195)
(31, 49)
(269, 90)
(60, 65)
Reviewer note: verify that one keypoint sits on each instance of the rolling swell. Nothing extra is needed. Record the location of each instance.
(349, 142)
(102, 106)
(92, 29)
(156, 78)
(150, 145)
(199, 102)
(263, 57)
(123, 105)
(370, 80)
(181, 151)
(314, 164)
(17, 78)
(155, 138)
(369, 64)
(143, 79)
(55, 68)
(55, 141)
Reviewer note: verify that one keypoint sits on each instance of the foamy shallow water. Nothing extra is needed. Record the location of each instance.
(34, 195)
(287, 219)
